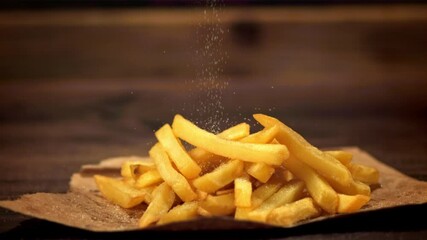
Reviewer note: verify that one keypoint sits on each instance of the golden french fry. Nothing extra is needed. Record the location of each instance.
(290, 192)
(119, 192)
(264, 136)
(219, 205)
(354, 188)
(323, 163)
(132, 168)
(364, 174)
(220, 177)
(242, 191)
(319, 189)
(148, 178)
(273, 154)
(177, 153)
(259, 195)
(261, 171)
(163, 199)
(292, 213)
(234, 133)
(183, 212)
(342, 156)
(173, 178)
(351, 203)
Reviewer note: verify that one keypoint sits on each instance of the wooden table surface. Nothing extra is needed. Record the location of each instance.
(79, 86)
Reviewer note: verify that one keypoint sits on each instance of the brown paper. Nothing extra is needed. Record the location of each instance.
(83, 207)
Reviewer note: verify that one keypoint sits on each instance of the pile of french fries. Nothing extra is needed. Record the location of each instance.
(272, 176)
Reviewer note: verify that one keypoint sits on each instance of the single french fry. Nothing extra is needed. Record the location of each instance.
(119, 192)
(219, 205)
(148, 178)
(242, 191)
(264, 136)
(273, 154)
(292, 213)
(325, 164)
(351, 203)
(261, 171)
(354, 188)
(322, 193)
(185, 211)
(259, 195)
(342, 156)
(234, 133)
(220, 177)
(132, 168)
(364, 174)
(187, 166)
(173, 178)
(290, 192)
(163, 199)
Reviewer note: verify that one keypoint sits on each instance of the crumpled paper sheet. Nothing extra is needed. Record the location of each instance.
(83, 207)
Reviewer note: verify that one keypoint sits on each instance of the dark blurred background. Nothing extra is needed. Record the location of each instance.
(85, 80)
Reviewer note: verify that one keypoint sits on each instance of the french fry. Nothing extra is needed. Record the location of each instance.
(220, 177)
(342, 156)
(183, 212)
(132, 168)
(351, 203)
(119, 192)
(321, 192)
(242, 191)
(234, 133)
(292, 213)
(173, 178)
(354, 188)
(222, 205)
(261, 171)
(364, 174)
(323, 163)
(290, 192)
(177, 153)
(273, 154)
(148, 178)
(264, 136)
(163, 199)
